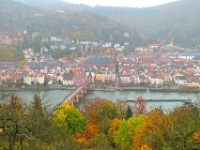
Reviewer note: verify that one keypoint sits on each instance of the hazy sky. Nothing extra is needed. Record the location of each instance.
(128, 3)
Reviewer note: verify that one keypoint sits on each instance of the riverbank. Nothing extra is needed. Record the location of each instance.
(35, 89)
(107, 90)
(160, 89)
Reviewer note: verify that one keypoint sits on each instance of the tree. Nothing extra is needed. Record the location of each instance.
(122, 105)
(108, 109)
(150, 133)
(10, 129)
(101, 112)
(69, 119)
(91, 111)
(182, 72)
(11, 115)
(128, 49)
(127, 130)
(113, 130)
(14, 108)
(124, 139)
(129, 113)
(92, 128)
(185, 128)
(37, 105)
(100, 142)
(139, 106)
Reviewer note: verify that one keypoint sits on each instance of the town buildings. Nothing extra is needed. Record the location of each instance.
(150, 66)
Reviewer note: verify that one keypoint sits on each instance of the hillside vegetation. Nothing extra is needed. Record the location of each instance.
(39, 23)
(80, 25)
(177, 21)
(102, 124)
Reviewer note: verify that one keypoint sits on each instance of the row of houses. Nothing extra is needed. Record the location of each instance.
(149, 69)
(64, 71)
(158, 69)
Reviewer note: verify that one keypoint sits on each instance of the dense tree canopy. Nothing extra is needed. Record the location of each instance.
(30, 126)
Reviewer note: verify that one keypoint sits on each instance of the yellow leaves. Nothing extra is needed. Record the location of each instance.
(60, 116)
(60, 113)
(183, 72)
(69, 119)
(116, 123)
(113, 131)
(67, 106)
(145, 147)
(82, 141)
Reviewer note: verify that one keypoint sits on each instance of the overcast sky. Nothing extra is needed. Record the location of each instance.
(122, 3)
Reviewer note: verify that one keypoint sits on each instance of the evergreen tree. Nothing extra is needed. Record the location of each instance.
(37, 105)
(129, 113)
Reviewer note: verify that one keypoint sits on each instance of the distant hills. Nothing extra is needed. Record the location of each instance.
(28, 25)
(46, 4)
(17, 17)
(176, 22)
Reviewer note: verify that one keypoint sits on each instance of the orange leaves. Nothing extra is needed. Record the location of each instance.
(85, 136)
(92, 128)
(196, 135)
(91, 111)
(150, 133)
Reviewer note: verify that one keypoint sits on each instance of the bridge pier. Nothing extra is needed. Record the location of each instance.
(81, 93)
(72, 102)
(85, 89)
(90, 86)
(76, 98)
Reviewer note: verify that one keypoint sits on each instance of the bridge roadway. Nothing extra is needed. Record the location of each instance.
(70, 97)
(73, 94)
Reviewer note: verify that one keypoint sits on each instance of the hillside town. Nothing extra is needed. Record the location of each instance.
(153, 66)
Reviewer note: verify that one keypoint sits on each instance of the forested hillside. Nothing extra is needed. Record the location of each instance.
(80, 25)
(29, 25)
(177, 21)
(14, 16)
(46, 4)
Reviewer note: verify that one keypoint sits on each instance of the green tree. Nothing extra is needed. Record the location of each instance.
(183, 72)
(127, 130)
(129, 112)
(124, 139)
(128, 49)
(100, 142)
(122, 105)
(69, 119)
(108, 109)
(11, 115)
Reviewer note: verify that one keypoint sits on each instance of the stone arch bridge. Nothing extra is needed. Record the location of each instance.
(77, 93)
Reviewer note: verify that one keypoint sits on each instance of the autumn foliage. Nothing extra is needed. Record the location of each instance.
(99, 126)
(140, 106)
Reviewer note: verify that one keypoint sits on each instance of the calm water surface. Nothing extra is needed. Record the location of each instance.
(55, 96)
(114, 96)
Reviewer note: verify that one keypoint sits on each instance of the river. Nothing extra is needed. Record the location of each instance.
(53, 97)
